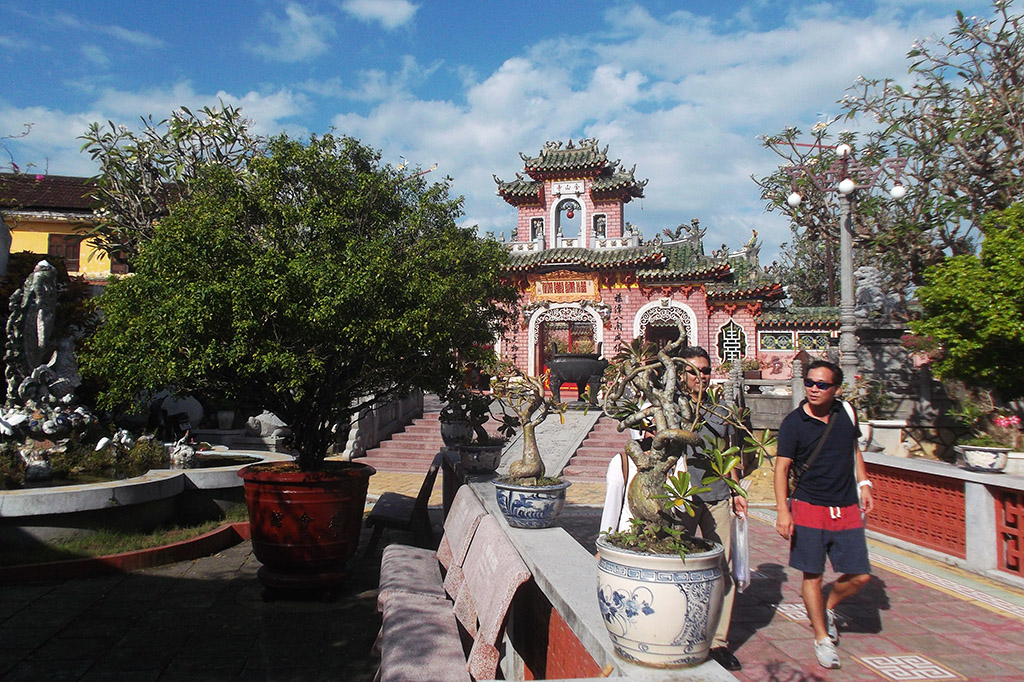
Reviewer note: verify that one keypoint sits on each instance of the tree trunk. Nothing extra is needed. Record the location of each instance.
(530, 465)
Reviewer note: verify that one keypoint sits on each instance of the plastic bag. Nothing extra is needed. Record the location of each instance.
(740, 552)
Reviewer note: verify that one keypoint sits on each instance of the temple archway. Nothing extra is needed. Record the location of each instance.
(658, 322)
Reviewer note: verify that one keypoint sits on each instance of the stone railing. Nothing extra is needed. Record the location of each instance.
(370, 427)
(965, 518)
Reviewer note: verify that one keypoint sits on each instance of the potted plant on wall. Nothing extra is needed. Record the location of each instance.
(667, 621)
(991, 432)
(479, 450)
(314, 284)
(529, 497)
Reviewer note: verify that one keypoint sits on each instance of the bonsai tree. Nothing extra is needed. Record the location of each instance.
(647, 392)
(314, 283)
(527, 399)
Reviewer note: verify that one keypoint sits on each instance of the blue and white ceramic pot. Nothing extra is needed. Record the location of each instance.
(530, 506)
(660, 611)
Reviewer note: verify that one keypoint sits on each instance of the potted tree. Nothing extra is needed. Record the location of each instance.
(314, 284)
(990, 432)
(527, 497)
(668, 621)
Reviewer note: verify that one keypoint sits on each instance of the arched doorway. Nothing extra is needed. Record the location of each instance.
(572, 329)
(658, 323)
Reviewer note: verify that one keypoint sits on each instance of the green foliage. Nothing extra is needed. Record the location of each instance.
(142, 174)
(657, 539)
(315, 283)
(974, 308)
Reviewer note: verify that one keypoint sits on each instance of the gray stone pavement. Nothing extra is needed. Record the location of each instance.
(206, 620)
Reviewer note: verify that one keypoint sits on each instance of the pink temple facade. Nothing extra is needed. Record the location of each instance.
(587, 278)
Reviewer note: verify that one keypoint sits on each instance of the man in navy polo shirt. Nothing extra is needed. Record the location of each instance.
(824, 518)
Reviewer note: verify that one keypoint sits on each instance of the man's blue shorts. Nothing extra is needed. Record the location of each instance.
(837, 532)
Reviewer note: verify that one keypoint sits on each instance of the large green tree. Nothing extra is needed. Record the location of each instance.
(974, 306)
(313, 282)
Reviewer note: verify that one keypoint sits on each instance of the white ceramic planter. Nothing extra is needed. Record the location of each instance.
(527, 506)
(660, 611)
(977, 458)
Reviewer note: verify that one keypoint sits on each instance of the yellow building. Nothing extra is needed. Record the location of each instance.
(50, 214)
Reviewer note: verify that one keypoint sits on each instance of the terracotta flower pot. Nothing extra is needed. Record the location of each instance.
(305, 524)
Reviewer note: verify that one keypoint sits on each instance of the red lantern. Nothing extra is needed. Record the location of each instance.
(569, 214)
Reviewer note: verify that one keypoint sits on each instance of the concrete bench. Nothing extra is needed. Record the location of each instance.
(422, 633)
(413, 570)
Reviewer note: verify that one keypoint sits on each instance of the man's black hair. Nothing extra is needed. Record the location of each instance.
(694, 352)
(837, 373)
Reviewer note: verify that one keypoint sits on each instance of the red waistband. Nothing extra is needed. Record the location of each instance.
(826, 518)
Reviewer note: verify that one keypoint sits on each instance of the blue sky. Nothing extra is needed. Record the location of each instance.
(681, 89)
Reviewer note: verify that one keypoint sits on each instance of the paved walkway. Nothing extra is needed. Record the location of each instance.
(205, 619)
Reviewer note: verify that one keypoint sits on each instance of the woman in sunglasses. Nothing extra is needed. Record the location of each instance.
(822, 516)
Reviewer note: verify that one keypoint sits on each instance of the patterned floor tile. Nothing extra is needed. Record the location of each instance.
(794, 612)
(908, 667)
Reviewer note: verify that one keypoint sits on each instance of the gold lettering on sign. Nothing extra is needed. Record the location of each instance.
(564, 286)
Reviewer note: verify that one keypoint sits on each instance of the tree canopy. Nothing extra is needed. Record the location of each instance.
(974, 307)
(310, 282)
(958, 123)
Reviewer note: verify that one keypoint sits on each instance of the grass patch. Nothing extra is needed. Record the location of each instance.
(106, 542)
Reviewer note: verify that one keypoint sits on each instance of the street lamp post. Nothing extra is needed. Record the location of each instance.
(844, 176)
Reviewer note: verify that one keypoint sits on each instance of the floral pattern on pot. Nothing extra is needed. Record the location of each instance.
(659, 611)
(530, 506)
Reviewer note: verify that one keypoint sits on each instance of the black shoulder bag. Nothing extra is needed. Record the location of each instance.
(797, 471)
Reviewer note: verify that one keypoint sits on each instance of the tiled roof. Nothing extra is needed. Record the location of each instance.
(826, 317)
(520, 190)
(742, 289)
(57, 193)
(554, 157)
(654, 263)
(681, 262)
(580, 160)
(598, 259)
(613, 180)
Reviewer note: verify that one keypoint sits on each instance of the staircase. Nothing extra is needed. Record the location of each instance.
(590, 462)
(410, 450)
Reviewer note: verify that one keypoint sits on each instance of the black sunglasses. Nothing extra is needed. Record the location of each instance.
(822, 385)
(706, 371)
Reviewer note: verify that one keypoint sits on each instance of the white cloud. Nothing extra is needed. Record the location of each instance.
(682, 98)
(298, 37)
(95, 54)
(136, 38)
(388, 13)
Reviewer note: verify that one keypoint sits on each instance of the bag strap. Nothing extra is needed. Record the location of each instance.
(821, 443)
(625, 477)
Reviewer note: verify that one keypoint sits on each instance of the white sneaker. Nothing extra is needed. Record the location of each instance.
(830, 625)
(827, 655)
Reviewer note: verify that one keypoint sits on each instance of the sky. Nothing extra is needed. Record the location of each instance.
(680, 89)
